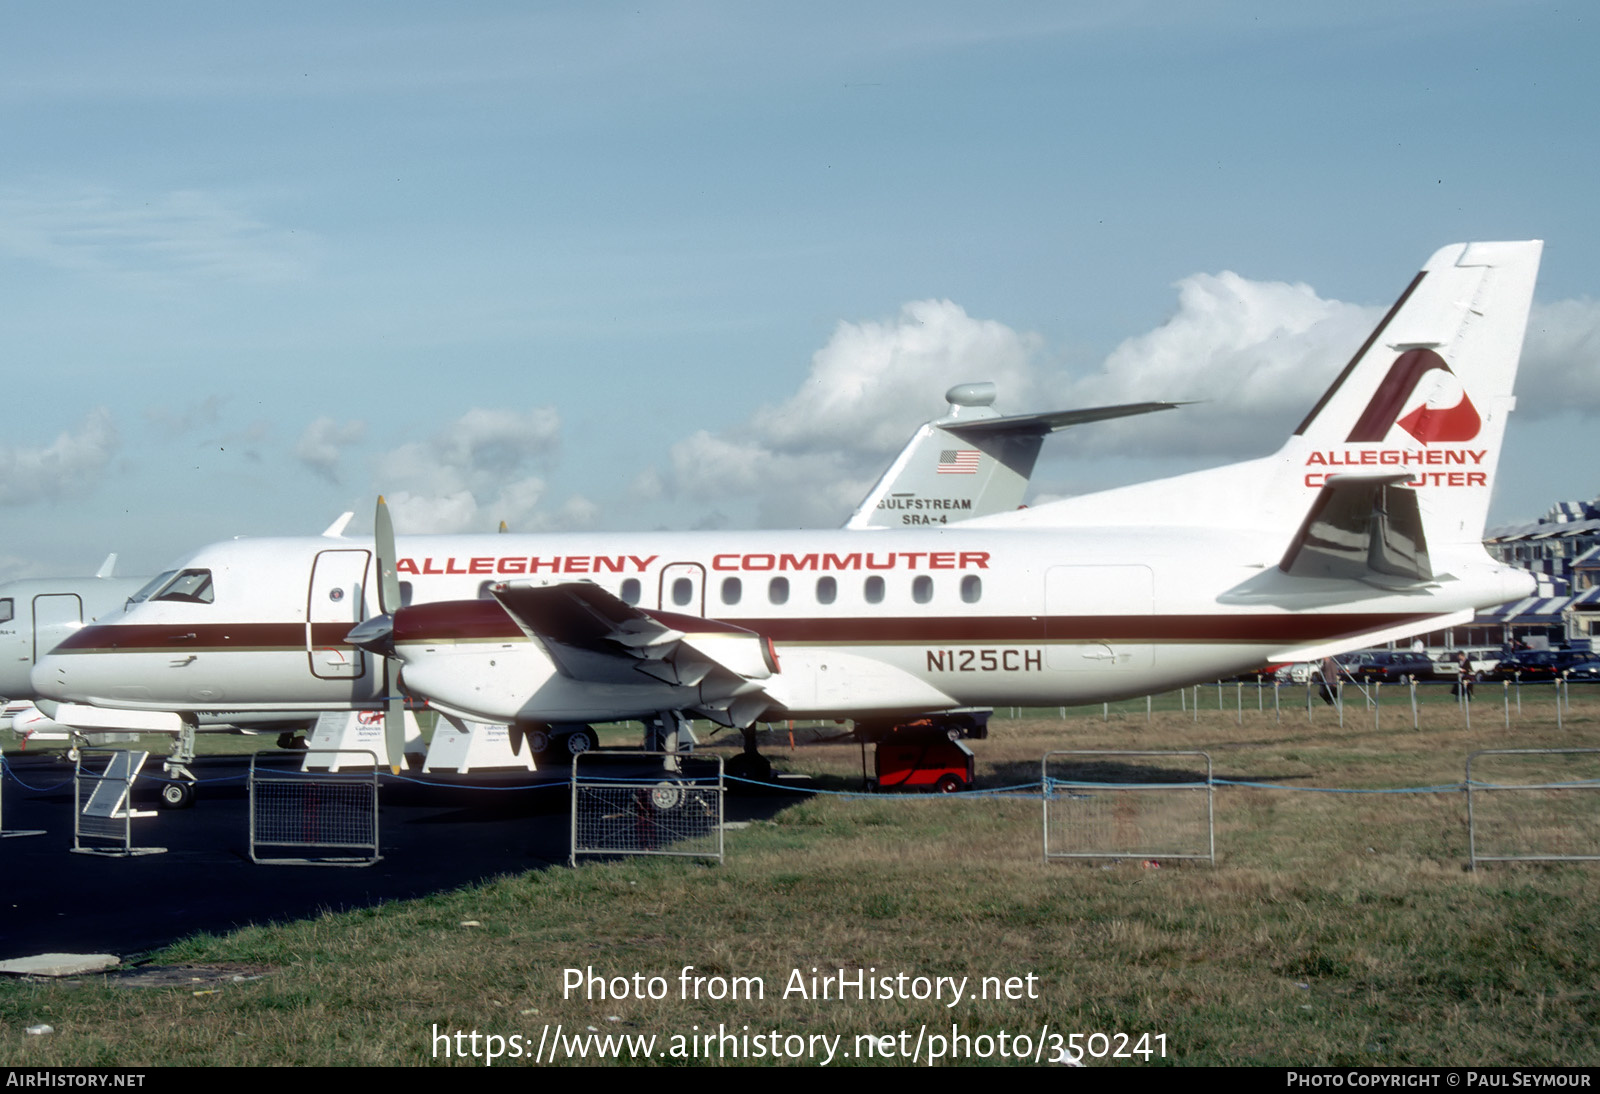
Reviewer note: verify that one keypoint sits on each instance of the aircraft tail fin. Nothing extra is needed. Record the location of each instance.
(971, 462)
(1421, 407)
(108, 568)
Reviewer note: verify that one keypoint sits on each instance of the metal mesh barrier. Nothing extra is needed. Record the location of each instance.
(646, 803)
(314, 818)
(1533, 805)
(102, 791)
(1117, 804)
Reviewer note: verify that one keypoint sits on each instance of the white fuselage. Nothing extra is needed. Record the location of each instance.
(1364, 526)
(860, 621)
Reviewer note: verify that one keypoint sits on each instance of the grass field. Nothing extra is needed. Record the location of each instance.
(1334, 928)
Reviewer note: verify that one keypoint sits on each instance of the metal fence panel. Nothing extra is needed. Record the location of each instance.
(314, 818)
(103, 800)
(1097, 804)
(647, 803)
(1533, 805)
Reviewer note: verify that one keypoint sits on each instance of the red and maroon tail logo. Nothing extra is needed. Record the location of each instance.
(1427, 423)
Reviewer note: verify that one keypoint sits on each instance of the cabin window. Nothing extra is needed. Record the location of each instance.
(778, 590)
(827, 590)
(405, 594)
(7, 610)
(630, 591)
(873, 590)
(971, 589)
(483, 590)
(682, 592)
(732, 590)
(922, 589)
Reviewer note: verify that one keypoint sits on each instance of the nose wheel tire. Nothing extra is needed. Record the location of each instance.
(177, 795)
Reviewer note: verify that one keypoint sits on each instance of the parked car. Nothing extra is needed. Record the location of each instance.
(1446, 664)
(1540, 665)
(1387, 666)
(1297, 672)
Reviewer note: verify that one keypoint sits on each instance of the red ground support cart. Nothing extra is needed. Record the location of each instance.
(925, 762)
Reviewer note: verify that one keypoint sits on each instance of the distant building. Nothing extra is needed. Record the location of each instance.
(1562, 551)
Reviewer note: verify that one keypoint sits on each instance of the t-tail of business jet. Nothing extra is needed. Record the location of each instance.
(1364, 526)
(972, 462)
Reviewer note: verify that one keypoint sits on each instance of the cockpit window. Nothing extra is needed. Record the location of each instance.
(150, 587)
(7, 609)
(183, 586)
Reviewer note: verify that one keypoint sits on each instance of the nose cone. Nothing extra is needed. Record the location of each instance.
(67, 672)
(375, 635)
(51, 677)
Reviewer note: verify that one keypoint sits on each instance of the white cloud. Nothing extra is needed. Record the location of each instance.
(322, 443)
(160, 238)
(72, 464)
(1561, 360)
(808, 460)
(873, 382)
(478, 471)
(1253, 355)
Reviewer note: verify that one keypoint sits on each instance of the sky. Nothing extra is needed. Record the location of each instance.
(700, 265)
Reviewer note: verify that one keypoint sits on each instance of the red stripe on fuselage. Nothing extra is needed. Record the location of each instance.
(486, 620)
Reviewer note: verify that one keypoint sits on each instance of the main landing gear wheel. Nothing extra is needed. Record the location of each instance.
(538, 741)
(666, 796)
(177, 795)
(579, 742)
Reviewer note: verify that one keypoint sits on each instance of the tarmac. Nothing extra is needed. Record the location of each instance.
(436, 833)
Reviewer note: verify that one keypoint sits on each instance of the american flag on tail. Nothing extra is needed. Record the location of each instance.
(958, 461)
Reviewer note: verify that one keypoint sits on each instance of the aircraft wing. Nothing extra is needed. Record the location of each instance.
(594, 636)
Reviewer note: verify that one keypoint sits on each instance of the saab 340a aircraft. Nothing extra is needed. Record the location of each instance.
(1364, 527)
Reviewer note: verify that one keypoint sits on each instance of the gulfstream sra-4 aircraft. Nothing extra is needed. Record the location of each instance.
(1364, 526)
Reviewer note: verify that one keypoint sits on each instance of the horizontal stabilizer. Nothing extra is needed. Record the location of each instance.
(1051, 421)
(1360, 527)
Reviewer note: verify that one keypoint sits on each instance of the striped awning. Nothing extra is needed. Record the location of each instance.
(1529, 610)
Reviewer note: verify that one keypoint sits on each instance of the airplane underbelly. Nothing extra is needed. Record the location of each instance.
(198, 680)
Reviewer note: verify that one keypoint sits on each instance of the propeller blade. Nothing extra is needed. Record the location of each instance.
(383, 541)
